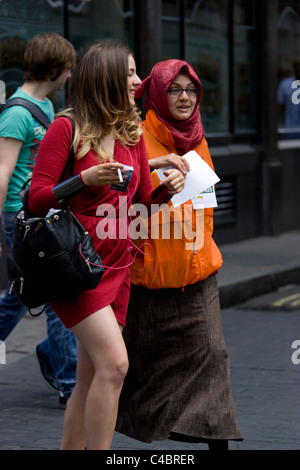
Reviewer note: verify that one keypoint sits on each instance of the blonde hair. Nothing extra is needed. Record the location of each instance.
(99, 102)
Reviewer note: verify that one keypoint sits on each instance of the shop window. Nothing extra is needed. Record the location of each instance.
(206, 47)
(84, 22)
(244, 66)
(20, 21)
(219, 41)
(98, 20)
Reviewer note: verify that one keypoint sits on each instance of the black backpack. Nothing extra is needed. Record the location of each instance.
(36, 112)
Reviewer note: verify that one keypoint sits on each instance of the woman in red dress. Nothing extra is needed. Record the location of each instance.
(108, 136)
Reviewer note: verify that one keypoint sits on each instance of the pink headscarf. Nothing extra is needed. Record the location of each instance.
(189, 133)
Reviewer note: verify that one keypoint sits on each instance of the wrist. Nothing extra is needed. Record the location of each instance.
(83, 177)
(153, 164)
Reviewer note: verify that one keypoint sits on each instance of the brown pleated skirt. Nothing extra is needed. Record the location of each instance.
(178, 379)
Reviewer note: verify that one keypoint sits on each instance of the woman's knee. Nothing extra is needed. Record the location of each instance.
(112, 371)
(119, 370)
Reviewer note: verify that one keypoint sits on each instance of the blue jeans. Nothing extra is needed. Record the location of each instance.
(60, 346)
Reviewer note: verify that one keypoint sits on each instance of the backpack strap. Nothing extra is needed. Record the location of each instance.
(36, 112)
(65, 190)
(23, 194)
(72, 154)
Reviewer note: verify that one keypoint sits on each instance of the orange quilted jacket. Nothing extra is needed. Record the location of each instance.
(180, 249)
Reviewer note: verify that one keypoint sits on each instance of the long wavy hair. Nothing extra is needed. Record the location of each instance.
(98, 99)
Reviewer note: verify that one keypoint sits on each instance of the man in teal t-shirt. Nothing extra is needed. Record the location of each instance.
(48, 61)
(19, 124)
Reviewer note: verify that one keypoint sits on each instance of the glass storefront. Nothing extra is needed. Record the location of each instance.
(220, 43)
(289, 69)
(244, 52)
(101, 19)
(207, 49)
(218, 37)
(83, 22)
(244, 59)
(19, 22)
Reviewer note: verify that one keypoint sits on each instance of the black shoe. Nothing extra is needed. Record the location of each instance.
(63, 401)
(176, 436)
(46, 369)
(217, 444)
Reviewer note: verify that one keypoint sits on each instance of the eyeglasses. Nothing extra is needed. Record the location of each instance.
(179, 91)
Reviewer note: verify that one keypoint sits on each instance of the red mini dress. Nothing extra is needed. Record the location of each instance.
(103, 211)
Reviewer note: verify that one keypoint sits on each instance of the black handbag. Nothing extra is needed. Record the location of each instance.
(53, 257)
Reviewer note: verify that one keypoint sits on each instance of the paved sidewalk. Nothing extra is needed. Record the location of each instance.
(258, 265)
(265, 381)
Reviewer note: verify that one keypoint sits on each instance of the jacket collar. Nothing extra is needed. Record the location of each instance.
(160, 131)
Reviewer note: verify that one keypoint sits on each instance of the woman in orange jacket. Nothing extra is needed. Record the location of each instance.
(178, 384)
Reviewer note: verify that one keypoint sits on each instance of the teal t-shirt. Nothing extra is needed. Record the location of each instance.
(18, 123)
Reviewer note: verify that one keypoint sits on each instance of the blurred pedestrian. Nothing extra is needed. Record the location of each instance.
(48, 61)
(107, 137)
(178, 383)
(288, 102)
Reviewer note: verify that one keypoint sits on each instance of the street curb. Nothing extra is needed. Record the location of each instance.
(238, 292)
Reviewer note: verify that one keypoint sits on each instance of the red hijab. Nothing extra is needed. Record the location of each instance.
(189, 133)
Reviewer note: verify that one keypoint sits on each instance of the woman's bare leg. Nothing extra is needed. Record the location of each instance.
(102, 367)
(73, 437)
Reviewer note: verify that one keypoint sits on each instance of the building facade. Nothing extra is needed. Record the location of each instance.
(244, 53)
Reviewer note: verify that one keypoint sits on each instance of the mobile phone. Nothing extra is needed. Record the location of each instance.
(122, 185)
